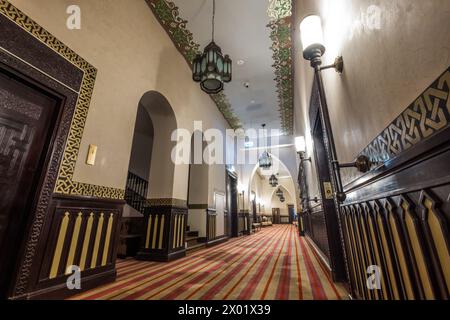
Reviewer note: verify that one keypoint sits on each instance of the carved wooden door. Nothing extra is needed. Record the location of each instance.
(27, 115)
(276, 215)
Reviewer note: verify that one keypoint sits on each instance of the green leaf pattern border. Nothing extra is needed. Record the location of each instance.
(280, 12)
(168, 15)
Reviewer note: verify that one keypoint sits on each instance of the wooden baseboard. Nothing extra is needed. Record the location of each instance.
(320, 256)
(160, 256)
(61, 292)
(217, 241)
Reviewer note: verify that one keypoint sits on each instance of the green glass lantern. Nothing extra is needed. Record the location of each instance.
(279, 193)
(273, 181)
(211, 68)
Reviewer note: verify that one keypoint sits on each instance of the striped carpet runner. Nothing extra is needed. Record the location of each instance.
(273, 264)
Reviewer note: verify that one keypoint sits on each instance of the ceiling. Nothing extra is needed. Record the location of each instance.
(245, 31)
(278, 168)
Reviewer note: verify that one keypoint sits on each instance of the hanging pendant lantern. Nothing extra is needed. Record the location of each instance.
(265, 161)
(279, 193)
(273, 181)
(282, 199)
(211, 68)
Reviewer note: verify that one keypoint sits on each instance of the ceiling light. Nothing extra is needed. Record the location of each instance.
(300, 144)
(240, 62)
(273, 181)
(279, 192)
(312, 36)
(265, 161)
(211, 68)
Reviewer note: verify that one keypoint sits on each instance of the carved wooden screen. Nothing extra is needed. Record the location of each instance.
(397, 217)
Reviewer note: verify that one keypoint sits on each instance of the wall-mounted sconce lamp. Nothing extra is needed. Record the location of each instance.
(241, 190)
(300, 147)
(313, 50)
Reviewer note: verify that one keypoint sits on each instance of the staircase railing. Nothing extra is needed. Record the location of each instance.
(136, 192)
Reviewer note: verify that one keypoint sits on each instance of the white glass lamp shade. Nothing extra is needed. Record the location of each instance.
(312, 35)
(300, 144)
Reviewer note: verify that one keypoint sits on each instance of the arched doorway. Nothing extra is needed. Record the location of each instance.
(198, 188)
(137, 185)
(280, 209)
(151, 177)
(264, 192)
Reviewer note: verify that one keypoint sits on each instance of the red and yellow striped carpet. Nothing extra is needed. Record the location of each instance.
(273, 264)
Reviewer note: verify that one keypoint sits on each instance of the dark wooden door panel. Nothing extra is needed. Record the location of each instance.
(232, 208)
(26, 122)
(324, 219)
(276, 215)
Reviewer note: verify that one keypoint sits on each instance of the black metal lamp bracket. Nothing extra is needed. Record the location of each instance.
(362, 163)
(338, 65)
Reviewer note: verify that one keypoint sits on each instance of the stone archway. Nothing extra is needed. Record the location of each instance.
(163, 232)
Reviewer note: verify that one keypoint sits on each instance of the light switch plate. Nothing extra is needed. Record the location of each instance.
(92, 153)
(328, 190)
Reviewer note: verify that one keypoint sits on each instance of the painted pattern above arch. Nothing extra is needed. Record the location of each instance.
(279, 13)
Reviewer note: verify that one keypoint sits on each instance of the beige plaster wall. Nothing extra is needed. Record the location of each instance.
(266, 193)
(133, 55)
(283, 206)
(386, 68)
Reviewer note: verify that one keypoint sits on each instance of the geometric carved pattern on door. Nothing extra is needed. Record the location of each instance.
(65, 183)
(14, 142)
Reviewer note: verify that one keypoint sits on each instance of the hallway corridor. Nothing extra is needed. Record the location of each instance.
(272, 264)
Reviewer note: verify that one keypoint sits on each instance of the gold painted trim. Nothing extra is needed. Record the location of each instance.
(355, 271)
(98, 236)
(359, 244)
(166, 202)
(87, 239)
(388, 256)
(107, 240)
(357, 255)
(368, 249)
(180, 243)
(59, 246)
(377, 249)
(74, 242)
(400, 254)
(438, 236)
(155, 230)
(149, 229)
(418, 252)
(64, 182)
(161, 232)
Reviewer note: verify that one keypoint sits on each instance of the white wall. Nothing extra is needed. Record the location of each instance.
(386, 68)
(133, 55)
(197, 221)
